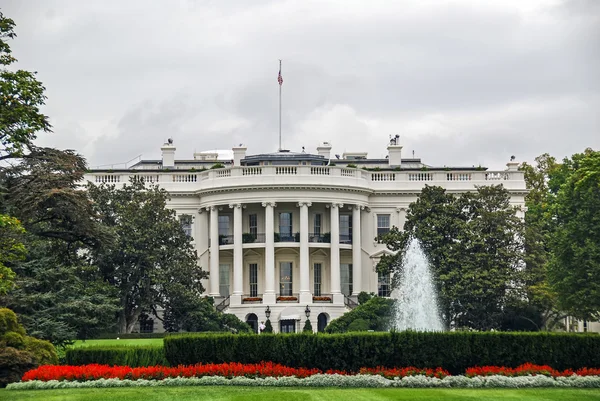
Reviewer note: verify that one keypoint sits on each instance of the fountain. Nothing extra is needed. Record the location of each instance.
(416, 297)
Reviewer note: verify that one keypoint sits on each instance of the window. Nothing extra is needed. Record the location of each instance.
(253, 224)
(384, 288)
(345, 228)
(317, 279)
(383, 224)
(253, 279)
(285, 279)
(346, 278)
(186, 224)
(223, 224)
(317, 225)
(285, 226)
(287, 326)
(321, 322)
(224, 280)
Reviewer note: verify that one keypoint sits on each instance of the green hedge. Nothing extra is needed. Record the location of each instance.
(133, 356)
(454, 351)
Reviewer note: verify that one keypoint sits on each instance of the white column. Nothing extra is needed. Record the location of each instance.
(305, 294)
(401, 217)
(356, 252)
(336, 291)
(214, 252)
(236, 297)
(202, 243)
(269, 294)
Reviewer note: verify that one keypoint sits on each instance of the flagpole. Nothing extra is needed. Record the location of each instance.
(280, 106)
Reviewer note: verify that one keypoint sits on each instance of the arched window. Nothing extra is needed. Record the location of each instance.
(252, 321)
(321, 322)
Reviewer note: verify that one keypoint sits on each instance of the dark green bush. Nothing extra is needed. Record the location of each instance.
(454, 351)
(133, 356)
(376, 311)
(307, 327)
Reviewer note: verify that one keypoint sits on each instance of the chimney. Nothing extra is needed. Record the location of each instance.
(395, 152)
(168, 154)
(239, 152)
(512, 165)
(324, 150)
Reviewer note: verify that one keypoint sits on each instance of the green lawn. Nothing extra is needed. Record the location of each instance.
(136, 341)
(291, 394)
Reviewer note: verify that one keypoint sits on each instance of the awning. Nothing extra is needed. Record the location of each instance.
(289, 317)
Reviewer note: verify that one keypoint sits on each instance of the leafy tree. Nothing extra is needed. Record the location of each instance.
(574, 266)
(11, 250)
(21, 97)
(151, 258)
(474, 243)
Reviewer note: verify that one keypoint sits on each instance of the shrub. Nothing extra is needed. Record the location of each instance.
(363, 297)
(358, 325)
(307, 327)
(377, 312)
(268, 327)
(133, 356)
(453, 351)
(13, 364)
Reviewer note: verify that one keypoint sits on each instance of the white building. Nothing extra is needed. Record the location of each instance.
(280, 232)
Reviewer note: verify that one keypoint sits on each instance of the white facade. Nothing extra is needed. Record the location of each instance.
(285, 231)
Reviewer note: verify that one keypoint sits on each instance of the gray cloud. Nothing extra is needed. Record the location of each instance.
(464, 83)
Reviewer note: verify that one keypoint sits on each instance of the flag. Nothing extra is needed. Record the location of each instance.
(279, 77)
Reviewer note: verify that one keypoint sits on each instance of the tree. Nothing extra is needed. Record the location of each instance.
(151, 258)
(21, 96)
(574, 266)
(307, 327)
(268, 327)
(11, 250)
(474, 243)
(375, 314)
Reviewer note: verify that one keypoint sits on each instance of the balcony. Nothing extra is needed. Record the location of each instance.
(279, 237)
(287, 298)
(324, 238)
(248, 299)
(250, 238)
(345, 238)
(225, 239)
(322, 299)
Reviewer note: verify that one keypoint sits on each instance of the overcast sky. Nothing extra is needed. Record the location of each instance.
(463, 82)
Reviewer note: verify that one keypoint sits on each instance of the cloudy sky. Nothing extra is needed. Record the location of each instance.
(463, 82)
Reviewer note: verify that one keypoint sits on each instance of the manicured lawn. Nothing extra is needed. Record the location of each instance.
(137, 341)
(291, 394)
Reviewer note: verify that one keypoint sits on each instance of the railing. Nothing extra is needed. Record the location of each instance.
(345, 238)
(319, 171)
(322, 238)
(322, 298)
(383, 177)
(185, 177)
(223, 304)
(420, 177)
(225, 239)
(108, 178)
(147, 177)
(248, 238)
(458, 176)
(223, 173)
(286, 170)
(251, 170)
(349, 302)
(287, 237)
(348, 172)
(251, 299)
(494, 176)
(287, 298)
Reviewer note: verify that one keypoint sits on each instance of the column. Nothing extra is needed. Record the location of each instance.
(356, 252)
(238, 274)
(305, 294)
(214, 251)
(336, 291)
(401, 217)
(269, 294)
(202, 243)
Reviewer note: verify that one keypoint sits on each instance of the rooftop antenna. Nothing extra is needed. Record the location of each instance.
(280, 81)
(413, 153)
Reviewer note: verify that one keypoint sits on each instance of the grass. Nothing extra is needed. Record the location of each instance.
(292, 394)
(132, 342)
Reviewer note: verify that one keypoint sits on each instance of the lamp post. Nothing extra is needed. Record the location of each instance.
(268, 312)
(307, 311)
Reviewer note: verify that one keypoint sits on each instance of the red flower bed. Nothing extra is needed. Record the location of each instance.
(528, 369)
(94, 372)
(390, 373)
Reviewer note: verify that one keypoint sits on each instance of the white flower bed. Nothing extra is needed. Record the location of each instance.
(323, 380)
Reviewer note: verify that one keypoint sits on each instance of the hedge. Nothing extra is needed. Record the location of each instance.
(453, 351)
(133, 356)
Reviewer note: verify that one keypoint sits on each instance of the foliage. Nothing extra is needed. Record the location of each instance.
(474, 243)
(134, 356)
(21, 97)
(19, 352)
(11, 250)
(268, 327)
(453, 351)
(574, 266)
(194, 314)
(365, 296)
(375, 314)
(307, 327)
(151, 261)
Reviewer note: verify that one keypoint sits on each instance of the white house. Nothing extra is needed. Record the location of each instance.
(284, 233)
